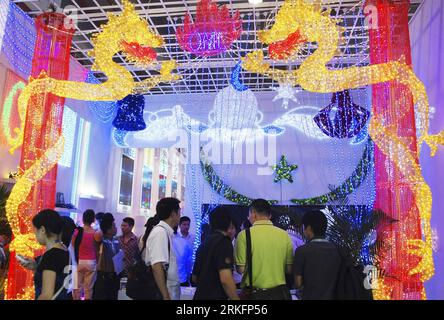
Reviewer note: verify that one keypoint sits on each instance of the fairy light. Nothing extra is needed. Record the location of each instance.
(129, 27)
(119, 137)
(130, 113)
(235, 78)
(393, 146)
(282, 170)
(13, 143)
(25, 243)
(103, 111)
(313, 75)
(301, 119)
(353, 182)
(213, 31)
(19, 39)
(285, 92)
(68, 130)
(4, 8)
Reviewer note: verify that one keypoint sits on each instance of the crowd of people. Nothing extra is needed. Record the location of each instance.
(258, 262)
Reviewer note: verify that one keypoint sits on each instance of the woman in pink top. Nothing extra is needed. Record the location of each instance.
(85, 241)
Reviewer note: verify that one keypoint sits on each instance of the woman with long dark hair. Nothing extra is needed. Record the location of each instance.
(51, 270)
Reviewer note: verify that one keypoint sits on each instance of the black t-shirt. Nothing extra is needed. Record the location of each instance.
(318, 263)
(56, 260)
(215, 254)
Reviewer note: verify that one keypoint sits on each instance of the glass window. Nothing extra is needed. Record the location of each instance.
(147, 177)
(126, 177)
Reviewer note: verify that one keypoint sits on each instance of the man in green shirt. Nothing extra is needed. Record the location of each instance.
(272, 255)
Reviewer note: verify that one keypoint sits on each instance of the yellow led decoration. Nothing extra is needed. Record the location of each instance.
(24, 243)
(28, 294)
(13, 143)
(313, 75)
(165, 75)
(128, 27)
(383, 291)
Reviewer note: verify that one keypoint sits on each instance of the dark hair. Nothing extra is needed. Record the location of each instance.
(89, 216)
(183, 219)
(246, 224)
(220, 219)
(129, 220)
(107, 222)
(49, 219)
(164, 208)
(99, 216)
(317, 221)
(68, 229)
(261, 206)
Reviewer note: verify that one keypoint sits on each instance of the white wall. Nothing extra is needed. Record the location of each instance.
(427, 41)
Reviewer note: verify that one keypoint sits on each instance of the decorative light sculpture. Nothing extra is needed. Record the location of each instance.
(130, 113)
(313, 75)
(284, 49)
(282, 170)
(213, 31)
(235, 78)
(285, 92)
(348, 118)
(42, 150)
(13, 86)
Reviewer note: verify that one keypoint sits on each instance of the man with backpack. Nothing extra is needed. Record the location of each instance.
(157, 252)
(316, 264)
(213, 269)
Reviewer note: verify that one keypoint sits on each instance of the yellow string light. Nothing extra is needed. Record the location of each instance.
(383, 291)
(28, 293)
(13, 143)
(24, 243)
(129, 27)
(313, 75)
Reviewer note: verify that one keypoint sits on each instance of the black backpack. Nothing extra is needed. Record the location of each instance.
(350, 282)
(141, 284)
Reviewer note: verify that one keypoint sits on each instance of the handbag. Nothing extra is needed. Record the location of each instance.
(56, 295)
(141, 284)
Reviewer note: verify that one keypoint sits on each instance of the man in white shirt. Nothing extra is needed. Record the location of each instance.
(159, 252)
(183, 243)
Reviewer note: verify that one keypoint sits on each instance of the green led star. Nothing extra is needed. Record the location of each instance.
(283, 170)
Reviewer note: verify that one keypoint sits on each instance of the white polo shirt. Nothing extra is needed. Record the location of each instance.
(157, 251)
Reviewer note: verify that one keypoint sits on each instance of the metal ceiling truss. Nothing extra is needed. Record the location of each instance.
(211, 74)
